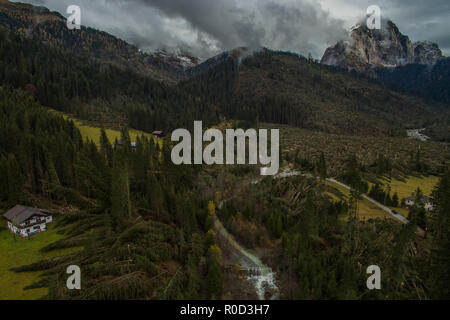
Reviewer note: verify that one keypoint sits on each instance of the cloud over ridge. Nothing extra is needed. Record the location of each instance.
(207, 27)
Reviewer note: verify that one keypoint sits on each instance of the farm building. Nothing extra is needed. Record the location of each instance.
(25, 221)
(426, 201)
(159, 134)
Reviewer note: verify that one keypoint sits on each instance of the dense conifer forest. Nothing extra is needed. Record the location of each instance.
(147, 219)
(93, 90)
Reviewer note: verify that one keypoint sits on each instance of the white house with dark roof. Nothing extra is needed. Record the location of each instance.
(26, 221)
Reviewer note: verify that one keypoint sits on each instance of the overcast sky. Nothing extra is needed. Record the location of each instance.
(207, 27)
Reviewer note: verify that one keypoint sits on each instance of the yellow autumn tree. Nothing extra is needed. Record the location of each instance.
(211, 208)
(214, 251)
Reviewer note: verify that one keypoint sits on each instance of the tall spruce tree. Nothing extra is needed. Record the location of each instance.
(105, 147)
(120, 191)
(15, 180)
(440, 255)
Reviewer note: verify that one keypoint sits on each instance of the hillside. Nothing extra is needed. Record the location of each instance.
(431, 82)
(50, 27)
(288, 89)
(306, 146)
(95, 91)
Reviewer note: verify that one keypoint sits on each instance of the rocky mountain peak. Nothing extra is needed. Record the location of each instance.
(426, 52)
(386, 47)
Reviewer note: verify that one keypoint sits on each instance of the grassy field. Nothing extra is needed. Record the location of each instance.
(410, 184)
(15, 253)
(92, 132)
(366, 209)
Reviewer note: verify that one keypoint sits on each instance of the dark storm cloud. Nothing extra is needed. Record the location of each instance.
(288, 25)
(219, 19)
(206, 27)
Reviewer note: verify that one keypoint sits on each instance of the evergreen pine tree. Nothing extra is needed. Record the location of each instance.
(440, 255)
(105, 147)
(120, 192)
(15, 180)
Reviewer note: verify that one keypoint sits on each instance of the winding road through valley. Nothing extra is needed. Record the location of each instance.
(399, 217)
(402, 219)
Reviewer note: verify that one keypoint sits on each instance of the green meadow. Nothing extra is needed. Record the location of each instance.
(366, 209)
(405, 187)
(89, 131)
(19, 252)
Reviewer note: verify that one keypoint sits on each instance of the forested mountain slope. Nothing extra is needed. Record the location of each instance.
(82, 85)
(430, 82)
(50, 27)
(289, 89)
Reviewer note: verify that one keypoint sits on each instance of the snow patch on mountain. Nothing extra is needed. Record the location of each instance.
(177, 58)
